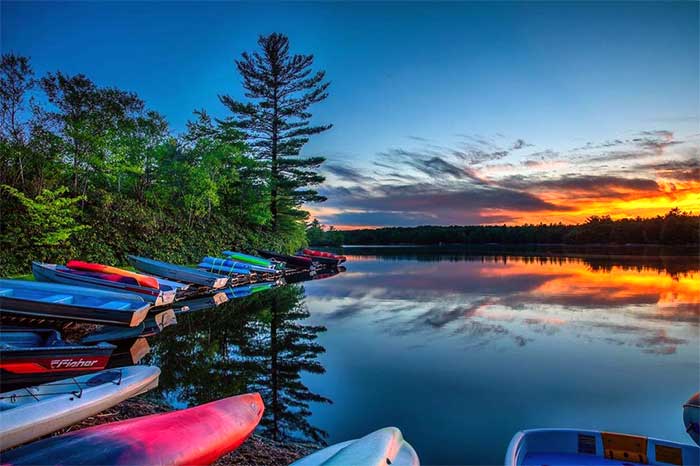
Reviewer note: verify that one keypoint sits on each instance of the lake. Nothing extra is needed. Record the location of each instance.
(459, 349)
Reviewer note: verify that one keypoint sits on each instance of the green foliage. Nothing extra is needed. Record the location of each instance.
(318, 235)
(675, 227)
(139, 189)
(50, 218)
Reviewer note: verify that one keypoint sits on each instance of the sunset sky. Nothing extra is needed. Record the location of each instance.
(473, 113)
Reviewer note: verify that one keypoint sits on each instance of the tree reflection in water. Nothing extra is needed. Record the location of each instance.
(258, 343)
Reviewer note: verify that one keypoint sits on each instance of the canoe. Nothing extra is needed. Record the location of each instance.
(238, 265)
(163, 294)
(20, 298)
(255, 260)
(32, 412)
(691, 417)
(559, 447)
(198, 435)
(151, 326)
(178, 273)
(31, 356)
(199, 304)
(298, 262)
(381, 447)
(327, 255)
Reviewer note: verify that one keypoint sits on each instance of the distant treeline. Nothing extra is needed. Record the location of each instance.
(674, 228)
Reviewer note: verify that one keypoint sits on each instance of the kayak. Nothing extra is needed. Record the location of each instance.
(30, 356)
(255, 260)
(142, 280)
(560, 447)
(32, 412)
(380, 448)
(198, 435)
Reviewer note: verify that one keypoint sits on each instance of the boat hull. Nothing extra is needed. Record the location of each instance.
(290, 261)
(178, 273)
(58, 274)
(382, 447)
(557, 447)
(53, 406)
(20, 298)
(198, 435)
(36, 356)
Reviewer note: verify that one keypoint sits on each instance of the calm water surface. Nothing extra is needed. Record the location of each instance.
(459, 350)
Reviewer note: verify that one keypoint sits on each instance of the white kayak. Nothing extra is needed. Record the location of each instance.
(32, 412)
(380, 448)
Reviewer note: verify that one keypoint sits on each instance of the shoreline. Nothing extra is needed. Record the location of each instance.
(255, 451)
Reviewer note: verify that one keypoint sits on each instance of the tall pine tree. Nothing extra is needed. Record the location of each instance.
(281, 88)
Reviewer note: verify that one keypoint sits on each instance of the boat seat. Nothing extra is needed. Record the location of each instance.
(115, 305)
(5, 292)
(57, 298)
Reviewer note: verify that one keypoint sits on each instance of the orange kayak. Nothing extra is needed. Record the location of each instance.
(143, 280)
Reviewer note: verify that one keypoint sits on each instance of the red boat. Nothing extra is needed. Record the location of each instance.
(323, 258)
(198, 435)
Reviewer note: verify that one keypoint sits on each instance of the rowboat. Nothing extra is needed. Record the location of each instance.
(151, 326)
(160, 295)
(32, 412)
(297, 262)
(198, 435)
(254, 260)
(560, 447)
(30, 356)
(230, 263)
(380, 448)
(178, 273)
(20, 298)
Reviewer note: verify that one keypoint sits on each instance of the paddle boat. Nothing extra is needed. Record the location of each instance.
(30, 356)
(380, 448)
(20, 298)
(293, 262)
(102, 277)
(32, 412)
(198, 435)
(560, 447)
(179, 273)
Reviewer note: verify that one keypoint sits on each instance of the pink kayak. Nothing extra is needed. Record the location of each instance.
(198, 435)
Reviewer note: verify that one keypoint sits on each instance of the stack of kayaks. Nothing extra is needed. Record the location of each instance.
(198, 435)
(291, 262)
(31, 356)
(156, 291)
(35, 411)
(230, 266)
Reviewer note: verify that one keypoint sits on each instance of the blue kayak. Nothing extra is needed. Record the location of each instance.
(230, 263)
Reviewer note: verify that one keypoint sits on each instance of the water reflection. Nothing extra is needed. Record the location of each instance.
(257, 343)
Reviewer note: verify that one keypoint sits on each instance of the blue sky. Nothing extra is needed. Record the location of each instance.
(424, 78)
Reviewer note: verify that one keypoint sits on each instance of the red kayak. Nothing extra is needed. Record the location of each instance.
(193, 436)
(327, 255)
(142, 280)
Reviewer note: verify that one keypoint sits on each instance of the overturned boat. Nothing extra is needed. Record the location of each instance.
(179, 273)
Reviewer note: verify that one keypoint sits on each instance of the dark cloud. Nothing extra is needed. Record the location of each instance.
(347, 173)
(519, 144)
(681, 170)
(593, 186)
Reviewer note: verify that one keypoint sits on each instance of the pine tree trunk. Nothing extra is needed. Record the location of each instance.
(274, 177)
